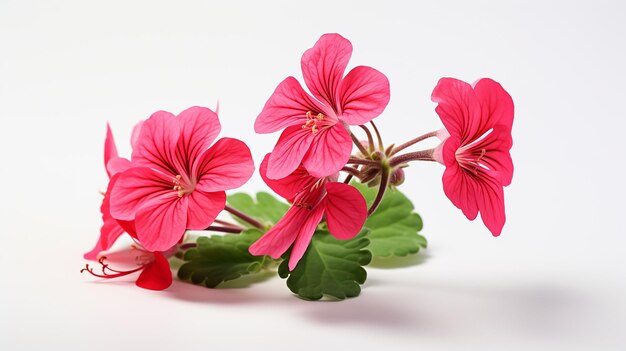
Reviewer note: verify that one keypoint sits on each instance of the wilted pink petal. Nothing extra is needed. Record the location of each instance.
(156, 275)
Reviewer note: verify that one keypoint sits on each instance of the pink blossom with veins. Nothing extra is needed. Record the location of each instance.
(312, 198)
(478, 120)
(177, 179)
(316, 132)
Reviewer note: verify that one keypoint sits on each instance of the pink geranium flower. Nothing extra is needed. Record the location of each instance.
(177, 180)
(315, 127)
(476, 153)
(311, 199)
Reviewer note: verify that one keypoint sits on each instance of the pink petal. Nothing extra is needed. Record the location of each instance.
(491, 203)
(289, 186)
(157, 275)
(110, 230)
(225, 165)
(289, 151)
(458, 109)
(161, 222)
(110, 150)
(496, 104)
(203, 208)
(117, 165)
(156, 143)
(199, 127)
(135, 135)
(287, 106)
(457, 185)
(305, 233)
(461, 189)
(323, 66)
(364, 94)
(134, 187)
(329, 151)
(346, 210)
(277, 240)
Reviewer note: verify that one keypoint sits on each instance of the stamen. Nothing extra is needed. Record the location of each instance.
(312, 121)
(105, 267)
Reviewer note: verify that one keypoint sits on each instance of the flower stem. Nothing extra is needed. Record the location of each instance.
(255, 223)
(412, 142)
(187, 246)
(217, 228)
(358, 144)
(380, 139)
(370, 140)
(384, 182)
(361, 161)
(423, 155)
(228, 224)
(351, 171)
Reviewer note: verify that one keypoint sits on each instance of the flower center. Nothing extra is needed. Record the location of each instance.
(181, 187)
(313, 122)
(470, 159)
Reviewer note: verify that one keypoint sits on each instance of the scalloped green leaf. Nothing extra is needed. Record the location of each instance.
(394, 227)
(265, 208)
(330, 267)
(221, 258)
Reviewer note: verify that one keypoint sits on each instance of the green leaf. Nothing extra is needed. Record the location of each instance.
(329, 267)
(266, 208)
(220, 258)
(394, 226)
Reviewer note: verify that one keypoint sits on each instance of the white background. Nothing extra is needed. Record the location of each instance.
(554, 279)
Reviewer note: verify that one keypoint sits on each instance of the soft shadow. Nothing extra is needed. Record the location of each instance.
(399, 262)
(247, 280)
(199, 294)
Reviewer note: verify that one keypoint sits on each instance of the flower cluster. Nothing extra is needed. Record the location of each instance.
(177, 176)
